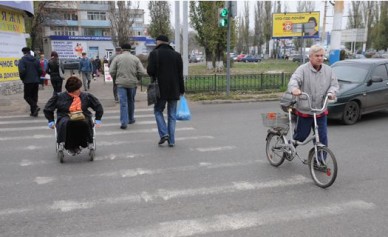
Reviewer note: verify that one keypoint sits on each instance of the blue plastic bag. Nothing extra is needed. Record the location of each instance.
(183, 111)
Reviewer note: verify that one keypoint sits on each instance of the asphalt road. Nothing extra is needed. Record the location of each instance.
(214, 182)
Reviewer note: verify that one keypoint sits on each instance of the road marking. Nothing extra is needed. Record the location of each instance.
(105, 112)
(236, 221)
(160, 194)
(44, 180)
(46, 128)
(219, 148)
(163, 194)
(114, 143)
(129, 131)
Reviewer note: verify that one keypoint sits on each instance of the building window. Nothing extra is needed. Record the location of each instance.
(70, 16)
(97, 16)
(96, 32)
(64, 30)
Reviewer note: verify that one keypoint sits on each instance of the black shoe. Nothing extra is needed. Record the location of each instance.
(36, 112)
(163, 140)
(123, 127)
(171, 145)
(132, 122)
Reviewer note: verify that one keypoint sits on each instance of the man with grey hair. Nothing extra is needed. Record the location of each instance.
(317, 80)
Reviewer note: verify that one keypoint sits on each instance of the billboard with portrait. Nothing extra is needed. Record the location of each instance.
(295, 24)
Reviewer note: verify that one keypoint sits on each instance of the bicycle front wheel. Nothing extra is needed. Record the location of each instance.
(275, 149)
(323, 167)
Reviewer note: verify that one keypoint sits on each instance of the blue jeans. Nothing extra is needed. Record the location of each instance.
(304, 125)
(171, 118)
(127, 105)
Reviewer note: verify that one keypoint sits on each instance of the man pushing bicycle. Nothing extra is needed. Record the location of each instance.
(317, 80)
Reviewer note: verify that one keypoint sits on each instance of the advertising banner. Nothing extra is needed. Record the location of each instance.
(11, 21)
(107, 76)
(297, 24)
(69, 49)
(11, 45)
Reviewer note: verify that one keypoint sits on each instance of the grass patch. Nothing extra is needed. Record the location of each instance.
(239, 95)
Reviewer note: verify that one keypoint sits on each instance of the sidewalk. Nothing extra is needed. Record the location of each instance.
(16, 105)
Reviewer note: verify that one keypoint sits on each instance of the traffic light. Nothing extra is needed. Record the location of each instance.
(223, 17)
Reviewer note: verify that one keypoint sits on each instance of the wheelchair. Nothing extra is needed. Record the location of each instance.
(60, 147)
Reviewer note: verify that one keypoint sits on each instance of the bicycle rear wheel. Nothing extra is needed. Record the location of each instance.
(323, 172)
(274, 149)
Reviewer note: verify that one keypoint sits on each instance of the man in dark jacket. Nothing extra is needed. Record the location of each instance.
(166, 66)
(29, 72)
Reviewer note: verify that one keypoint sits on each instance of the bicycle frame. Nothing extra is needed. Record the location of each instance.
(290, 147)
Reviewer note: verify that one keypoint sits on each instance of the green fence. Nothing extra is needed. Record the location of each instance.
(243, 82)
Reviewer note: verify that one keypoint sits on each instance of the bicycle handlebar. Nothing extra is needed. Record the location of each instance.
(316, 110)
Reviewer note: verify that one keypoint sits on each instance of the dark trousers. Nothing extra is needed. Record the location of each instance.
(78, 133)
(57, 86)
(115, 91)
(31, 95)
(304, 125)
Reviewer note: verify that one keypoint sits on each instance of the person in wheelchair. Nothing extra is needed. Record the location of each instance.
(74, 122)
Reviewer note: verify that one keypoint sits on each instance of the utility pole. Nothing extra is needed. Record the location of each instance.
(228, 52)
(185, 44)
(336, 32)
(323, 34)
(177, 28)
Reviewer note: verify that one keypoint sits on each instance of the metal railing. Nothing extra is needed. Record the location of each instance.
(241, 82)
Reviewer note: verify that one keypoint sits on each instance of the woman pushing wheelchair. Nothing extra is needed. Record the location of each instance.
(74, 124)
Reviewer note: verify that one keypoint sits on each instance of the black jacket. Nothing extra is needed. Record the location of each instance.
(165, 64)
(29, 69)
(53, 68)
(62, 102)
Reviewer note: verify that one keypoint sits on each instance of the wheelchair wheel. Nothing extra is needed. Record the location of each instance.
(60, 156)
(91, 155)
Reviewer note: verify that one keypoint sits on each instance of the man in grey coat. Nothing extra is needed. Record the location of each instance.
(126, 68)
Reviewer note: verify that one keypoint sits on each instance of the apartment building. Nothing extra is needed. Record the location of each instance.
(74, 27)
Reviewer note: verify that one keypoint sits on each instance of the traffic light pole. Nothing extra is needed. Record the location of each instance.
(228, 52)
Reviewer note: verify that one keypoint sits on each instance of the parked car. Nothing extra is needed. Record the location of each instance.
(363, 88)
(250, 58)
(298, 58)
(239, 57)
(193, 59)
(72, 64)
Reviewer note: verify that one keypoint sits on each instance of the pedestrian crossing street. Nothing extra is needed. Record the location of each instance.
(203, 186)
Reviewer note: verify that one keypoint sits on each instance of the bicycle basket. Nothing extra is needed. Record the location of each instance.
(275, 120)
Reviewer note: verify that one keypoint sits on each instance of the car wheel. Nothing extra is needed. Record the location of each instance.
(351, 113)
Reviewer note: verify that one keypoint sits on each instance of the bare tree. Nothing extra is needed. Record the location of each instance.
(121, 19)
(245, 29)
(258, 39)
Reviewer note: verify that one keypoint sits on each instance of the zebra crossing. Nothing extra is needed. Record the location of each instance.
(201, 187)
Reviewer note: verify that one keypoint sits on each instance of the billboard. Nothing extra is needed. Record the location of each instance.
(295, 24)
(69, 49)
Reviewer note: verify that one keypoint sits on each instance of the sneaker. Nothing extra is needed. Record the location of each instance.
(132, 122)
(171, 144)
(163, 139)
